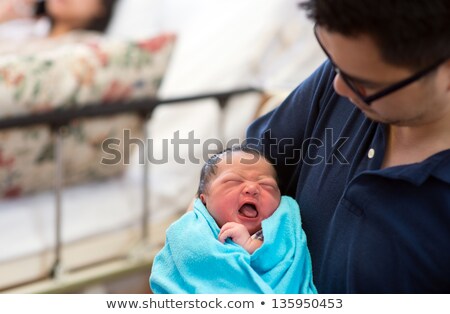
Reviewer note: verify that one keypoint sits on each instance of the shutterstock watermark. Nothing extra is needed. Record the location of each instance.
(178, 149)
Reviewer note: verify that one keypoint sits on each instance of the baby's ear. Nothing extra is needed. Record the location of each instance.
(203, 198)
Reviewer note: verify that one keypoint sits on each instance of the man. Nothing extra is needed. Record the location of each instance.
(364, 146)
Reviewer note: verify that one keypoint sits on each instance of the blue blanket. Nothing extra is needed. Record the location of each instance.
(194, 261)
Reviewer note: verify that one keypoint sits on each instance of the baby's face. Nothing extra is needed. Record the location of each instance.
(244, 190)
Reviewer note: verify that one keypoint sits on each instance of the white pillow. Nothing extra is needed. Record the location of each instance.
(219, 46)
(135, 19)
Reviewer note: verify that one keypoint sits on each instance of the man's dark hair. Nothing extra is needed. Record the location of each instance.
(409, 33)
(99, 24)
(210, 167)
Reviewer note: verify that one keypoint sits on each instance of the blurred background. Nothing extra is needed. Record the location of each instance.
(71, 223)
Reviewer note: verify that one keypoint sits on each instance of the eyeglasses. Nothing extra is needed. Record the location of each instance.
(385, 91)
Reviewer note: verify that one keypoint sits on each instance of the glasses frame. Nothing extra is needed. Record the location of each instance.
(385, 91)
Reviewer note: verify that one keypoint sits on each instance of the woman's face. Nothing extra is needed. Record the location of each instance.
(77, 13)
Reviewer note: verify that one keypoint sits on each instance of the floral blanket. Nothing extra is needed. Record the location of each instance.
(73, 74)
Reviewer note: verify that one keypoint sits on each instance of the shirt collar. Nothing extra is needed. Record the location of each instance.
(442, 171)
(437, 166)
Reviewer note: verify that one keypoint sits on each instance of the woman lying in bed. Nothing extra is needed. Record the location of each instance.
(28, 19)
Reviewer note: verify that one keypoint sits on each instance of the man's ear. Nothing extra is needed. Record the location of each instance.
(447, 66)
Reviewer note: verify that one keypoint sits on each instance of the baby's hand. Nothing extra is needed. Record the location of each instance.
(237, 232)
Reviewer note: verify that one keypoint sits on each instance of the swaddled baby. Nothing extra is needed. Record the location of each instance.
(241, 237)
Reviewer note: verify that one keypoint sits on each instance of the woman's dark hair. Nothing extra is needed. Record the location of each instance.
(39, 9)
(409, 33)
(210, 167)
(99, 24)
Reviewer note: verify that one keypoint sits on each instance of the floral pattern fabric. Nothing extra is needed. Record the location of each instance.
(97, 71)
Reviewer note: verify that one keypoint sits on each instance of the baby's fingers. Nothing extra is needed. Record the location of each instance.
(228, 225)
(225, 234)
(227, 231)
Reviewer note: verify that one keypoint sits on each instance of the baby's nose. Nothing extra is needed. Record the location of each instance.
(251, 189)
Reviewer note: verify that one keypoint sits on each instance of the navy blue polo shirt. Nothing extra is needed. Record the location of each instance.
(369, 230)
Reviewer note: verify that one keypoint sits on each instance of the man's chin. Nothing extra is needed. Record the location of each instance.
(376, 118)
(373, 116)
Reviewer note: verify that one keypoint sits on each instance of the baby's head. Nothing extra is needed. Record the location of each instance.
(239, 185)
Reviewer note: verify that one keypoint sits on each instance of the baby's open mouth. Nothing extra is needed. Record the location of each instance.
(248, 210)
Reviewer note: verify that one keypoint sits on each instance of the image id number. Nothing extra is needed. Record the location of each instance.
(306, 303)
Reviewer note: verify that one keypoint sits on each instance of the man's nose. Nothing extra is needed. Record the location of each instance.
(341, 87)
